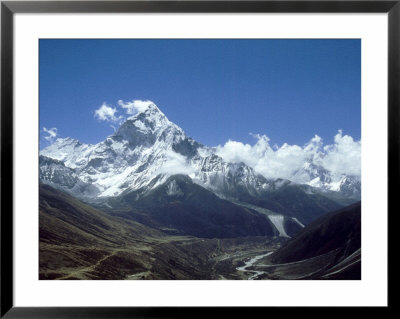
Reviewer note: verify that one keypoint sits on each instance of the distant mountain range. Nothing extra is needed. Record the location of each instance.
(150, 171)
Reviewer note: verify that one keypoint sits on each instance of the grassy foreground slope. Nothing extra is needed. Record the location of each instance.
(77, 241)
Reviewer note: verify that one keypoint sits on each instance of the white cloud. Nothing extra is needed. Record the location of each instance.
(107, 113)
(342, 157)
(175, 164)
(52, 134)
(135, 106)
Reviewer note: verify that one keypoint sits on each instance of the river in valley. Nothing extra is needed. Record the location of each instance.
(251, 262)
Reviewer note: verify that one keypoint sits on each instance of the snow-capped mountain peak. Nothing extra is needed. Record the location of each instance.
(317, 176)
(148, 126)
(145, 148)
(67, 150)
(146, 107)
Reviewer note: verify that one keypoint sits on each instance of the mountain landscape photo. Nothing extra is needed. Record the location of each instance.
(155, 200)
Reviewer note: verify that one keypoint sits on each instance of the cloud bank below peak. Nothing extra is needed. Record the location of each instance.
(341, 157)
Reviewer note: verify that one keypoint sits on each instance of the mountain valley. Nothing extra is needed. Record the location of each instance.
(149, 202)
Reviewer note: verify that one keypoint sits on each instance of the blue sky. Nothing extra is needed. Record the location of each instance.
(215, 90)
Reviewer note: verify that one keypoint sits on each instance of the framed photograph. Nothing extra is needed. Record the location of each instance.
(158, 156)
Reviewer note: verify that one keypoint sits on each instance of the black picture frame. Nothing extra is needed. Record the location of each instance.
(9, 8)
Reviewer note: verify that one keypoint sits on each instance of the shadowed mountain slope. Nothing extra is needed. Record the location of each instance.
(185, 208)
(333, 240)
